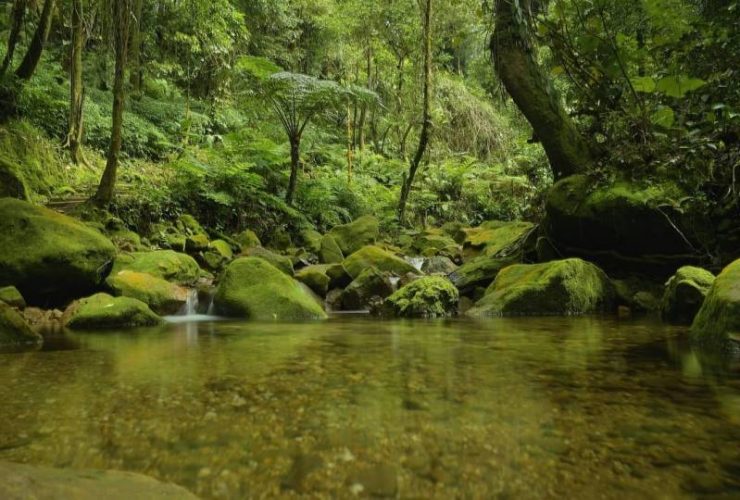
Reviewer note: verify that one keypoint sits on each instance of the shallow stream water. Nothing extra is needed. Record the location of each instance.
(507, 408)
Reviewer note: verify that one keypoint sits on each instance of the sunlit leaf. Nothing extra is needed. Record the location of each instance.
(679, 85)
(664, 117)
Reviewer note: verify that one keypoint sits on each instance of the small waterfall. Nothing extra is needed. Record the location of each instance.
(191, 304)
(394, 281)
(417, 262)
(192, 310)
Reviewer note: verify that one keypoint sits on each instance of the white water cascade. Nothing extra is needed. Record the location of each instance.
(417, 262)
(189, 311)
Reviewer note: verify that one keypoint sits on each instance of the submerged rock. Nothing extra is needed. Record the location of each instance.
(255, 289)
(13, 328)
(371, 286)
(427, 297)
(329, 251)
(165, 264)
(285, 264)
(49, 257)
(103, 311)
(161, 296)
(20, 481)
(382, 260)
(718, 319)
(357, 234)
(563, 287)
(684, 294)
(11, 296)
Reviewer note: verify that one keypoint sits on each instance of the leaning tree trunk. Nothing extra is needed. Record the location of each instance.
(295, 163)
(33, 55)
(17, 16)
(121, 20)
(77, 92)
(568, 152)
(426, 125)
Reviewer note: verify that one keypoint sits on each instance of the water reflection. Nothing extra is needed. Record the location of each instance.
(532, 408)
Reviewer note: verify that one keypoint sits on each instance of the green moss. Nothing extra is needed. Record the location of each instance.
(372, 256)
(311, 239)
(285, 264)
(161, 296)
(48, 256)
(315, 278)
(11, 296)
(196, 243)
(718, 319)
(570, 286)
(497, 239)
(329, 251)
(189, 225)
(427, 297)
(370, 285)
(12, 183)
(478, 272)
(13, 328)
(357, 234)
(684, 294)
(102, 311)
(254, 289)
(247, 239)
(165, 264)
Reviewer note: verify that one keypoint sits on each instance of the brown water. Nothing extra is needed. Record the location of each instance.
(525, 408)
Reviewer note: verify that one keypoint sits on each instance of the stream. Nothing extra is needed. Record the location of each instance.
(521, 408)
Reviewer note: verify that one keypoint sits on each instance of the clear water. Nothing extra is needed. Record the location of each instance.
(525, 408)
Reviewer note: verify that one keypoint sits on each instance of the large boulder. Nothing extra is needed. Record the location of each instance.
(315, 277)
(478, 273)
(103, 312)
(49, 257)
(439, 265)
(13, 328)
(624, 227)
(168, 265)
(367, 290)
(329, 251)
(255, 289)
(282, 262)
(684, 294)
(357, 234)
(20, 481)
(247, 239)
(372, 256)
(498, 239)
(564, 287)
(718, 320)
(427, 297)
(161, 296)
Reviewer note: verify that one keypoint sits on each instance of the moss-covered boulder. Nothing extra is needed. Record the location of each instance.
(329, 251)
(218, 254)
(49, 257)
(168, 265)
(718, 320)
(368, 289)
(382, 260)
(310, 239)
(282, 262)
(478, 272)
(189, 225)
(638, 294)
(255, 289)
(196, 243)
(439, 265)
(624, 227)
(355, 235)
(12, 184)
(161, 296)
(427, 297)
(103, 312)
(684, 294)
(434, 242)
(316, 278)
(248, 239)
(11, 296)
(564, 287)
(13, 328)
(498, 239)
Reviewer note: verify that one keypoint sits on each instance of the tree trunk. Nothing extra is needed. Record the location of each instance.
(426, 125)
(121, 21)
(136, 78)
(349, 145)
(33, 54)
(295, 163)
(568, 152)
(77, 92)
(17, 16)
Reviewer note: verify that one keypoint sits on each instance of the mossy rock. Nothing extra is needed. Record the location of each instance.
(718, 321)
(439, 265)
(357, 234)
(497, 239)
(189, 225)
(478, 272)
(624, 227)
(125, 239)
(248, 239)
(315, 278)
(563, 287)
(285, 264)
(219, 254)
(280, 239)
(49, 257)
(103, 311)
(13, 328)
(161, 296)
(429, 244)
(168, 265)
(382, 260)
(639, 294)
(329, 251)
(684, 294)
(255, 289)
(223, 249)
(11, 296)
(311, 239)
(196, 243)
(427, 297)
(370, 286)
(12, 183)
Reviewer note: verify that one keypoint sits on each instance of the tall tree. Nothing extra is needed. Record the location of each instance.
(511, 45)
(426, 124)
(33, 55)
(121, 25)
(77, 91)
(136, 37)
(17, 16)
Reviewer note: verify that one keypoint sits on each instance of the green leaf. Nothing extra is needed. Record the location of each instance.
(679, 85)
(663, 117)
(644, 84)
